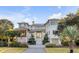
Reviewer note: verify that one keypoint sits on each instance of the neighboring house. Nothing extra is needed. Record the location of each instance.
(39, 30)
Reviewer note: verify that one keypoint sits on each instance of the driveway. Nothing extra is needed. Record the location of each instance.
(35, 49)
(38, 48)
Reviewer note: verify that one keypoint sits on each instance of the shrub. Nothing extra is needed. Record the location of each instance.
(3, 44)
(31, 41)
(77, 42)
(50, 45)
(64, 43)
(14, 44)
(23, 45)
(18, 44)
(45, 39)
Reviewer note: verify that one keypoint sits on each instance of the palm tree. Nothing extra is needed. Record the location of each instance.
(71, 34)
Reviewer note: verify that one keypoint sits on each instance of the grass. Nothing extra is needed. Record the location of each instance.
(60, 50)
(11, 50)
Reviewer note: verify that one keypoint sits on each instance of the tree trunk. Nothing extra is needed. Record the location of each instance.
(71, 46)
(8, 42)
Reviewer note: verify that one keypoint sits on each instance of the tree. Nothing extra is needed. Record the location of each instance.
(32, 41)
(72, 19)
(11, 33)
(71, 34)
(6, 22)
(76, 20)
(46, 39)
(5, 25)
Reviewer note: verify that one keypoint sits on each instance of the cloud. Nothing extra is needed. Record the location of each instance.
(16, 17)
(56, 16)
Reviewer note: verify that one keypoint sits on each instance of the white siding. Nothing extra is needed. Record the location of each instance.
(49, 28)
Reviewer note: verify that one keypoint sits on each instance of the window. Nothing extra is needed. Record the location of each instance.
(55, 32)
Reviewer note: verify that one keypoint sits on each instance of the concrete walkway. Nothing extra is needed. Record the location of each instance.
(35, 49)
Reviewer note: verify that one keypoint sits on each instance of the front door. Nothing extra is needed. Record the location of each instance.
(38, 35)
(39, 38)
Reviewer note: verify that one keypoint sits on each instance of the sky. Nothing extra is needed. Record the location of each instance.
(39, 14)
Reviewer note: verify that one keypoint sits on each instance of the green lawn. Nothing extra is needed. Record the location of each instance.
(60, 50)
(11, 50)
